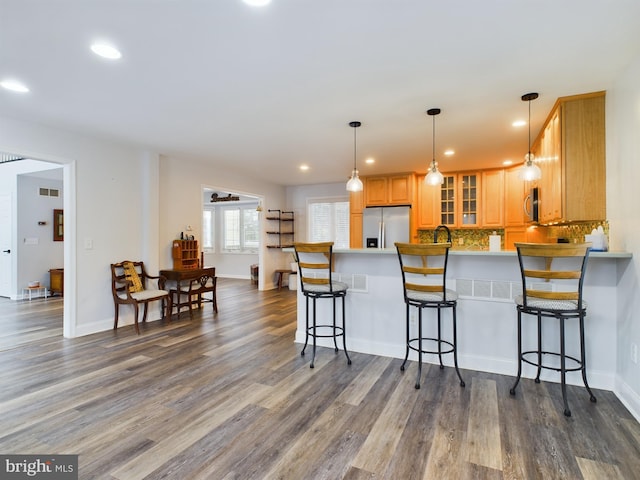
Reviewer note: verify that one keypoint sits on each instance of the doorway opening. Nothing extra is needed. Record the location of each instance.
(231, 226)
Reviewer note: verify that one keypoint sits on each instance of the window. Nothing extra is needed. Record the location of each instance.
(240, 230)
(208, 229)
(329, 221)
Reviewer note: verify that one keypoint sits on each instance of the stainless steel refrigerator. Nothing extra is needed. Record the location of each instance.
(383, 226)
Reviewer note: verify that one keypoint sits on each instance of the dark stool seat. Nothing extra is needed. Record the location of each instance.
(424, 272)
(315, 261)
(552, 278)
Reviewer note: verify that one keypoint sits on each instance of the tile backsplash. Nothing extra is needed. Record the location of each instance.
(478, 238)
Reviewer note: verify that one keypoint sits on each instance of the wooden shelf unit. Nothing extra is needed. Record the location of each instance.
(283, 231)
(185, 254)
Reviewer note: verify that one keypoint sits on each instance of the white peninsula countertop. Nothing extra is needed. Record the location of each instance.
(486, 283)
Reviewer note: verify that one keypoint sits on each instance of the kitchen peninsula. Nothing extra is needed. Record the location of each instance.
(486, 283)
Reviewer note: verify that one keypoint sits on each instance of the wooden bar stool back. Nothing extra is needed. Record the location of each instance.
(315, 264)
(552, 280)
(424, 279)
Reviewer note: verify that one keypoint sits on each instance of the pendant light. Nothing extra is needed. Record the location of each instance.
(434, 177)
(529, 171)
(354, 184)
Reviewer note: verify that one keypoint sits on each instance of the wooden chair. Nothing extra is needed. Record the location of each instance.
(552, 279)
(424, 280)
(192, 288)
(130, 286)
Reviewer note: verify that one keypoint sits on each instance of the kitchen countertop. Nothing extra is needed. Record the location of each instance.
(461, 252)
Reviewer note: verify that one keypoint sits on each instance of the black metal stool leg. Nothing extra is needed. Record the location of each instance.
(315, 334)
(513, 389)
(583, 361)
(539, 347)
(440, 339)
(406, 355)
(335, 330)
(344, 332)
(419, 347)
(563, 371)
(455, 347)
(306, 338)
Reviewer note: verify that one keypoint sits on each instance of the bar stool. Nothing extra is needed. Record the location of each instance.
(552, 278)
(424, 273)
(315, 262)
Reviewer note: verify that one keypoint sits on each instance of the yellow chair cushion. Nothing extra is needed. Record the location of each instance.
(131, 275)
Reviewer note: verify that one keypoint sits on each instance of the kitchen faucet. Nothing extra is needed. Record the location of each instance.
(437, 230)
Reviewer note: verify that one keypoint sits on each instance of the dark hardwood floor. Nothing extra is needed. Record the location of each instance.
(228, 396)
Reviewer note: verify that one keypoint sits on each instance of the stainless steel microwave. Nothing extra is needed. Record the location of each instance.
(531, 205)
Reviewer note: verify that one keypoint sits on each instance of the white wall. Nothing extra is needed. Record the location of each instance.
(623, 172)
(182, 181)
(107, 201)
(36, 250)
(297, 197)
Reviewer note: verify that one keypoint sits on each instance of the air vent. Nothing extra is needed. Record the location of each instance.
(490, 290)
(49, 192)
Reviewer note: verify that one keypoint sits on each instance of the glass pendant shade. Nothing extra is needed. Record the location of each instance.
(354, 184)
(434, 177)
(529, 171)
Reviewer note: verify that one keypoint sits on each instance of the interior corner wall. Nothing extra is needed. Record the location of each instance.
(108, 222)
(181, 182)
(623, 171)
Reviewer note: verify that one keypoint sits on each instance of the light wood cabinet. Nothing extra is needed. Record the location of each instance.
(514, 192)
(389, 190)
(570, 151)
(356, 205)
(493, 198)
(460, 200)
(428, 204)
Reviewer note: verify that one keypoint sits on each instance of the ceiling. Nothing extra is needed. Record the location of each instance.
(264, 90)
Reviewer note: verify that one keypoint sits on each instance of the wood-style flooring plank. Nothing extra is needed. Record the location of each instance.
(484, 447)
(228, 396)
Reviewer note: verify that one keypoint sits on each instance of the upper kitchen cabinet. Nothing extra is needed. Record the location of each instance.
(389, 190)
(493, 198)
(460, 200)
(428, 211)
(514, 195)
(570, 151)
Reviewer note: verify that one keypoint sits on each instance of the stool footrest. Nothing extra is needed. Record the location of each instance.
(336, 331)
(414, 341)
(549, 367)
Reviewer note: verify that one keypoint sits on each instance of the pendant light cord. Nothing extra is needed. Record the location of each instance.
(355, 143)
(434, 140)
(529, 129)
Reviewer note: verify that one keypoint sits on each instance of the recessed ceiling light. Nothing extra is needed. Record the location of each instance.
(106, 51)
(304, 168)
(519, 123)
(257, 3)
(449, 152)
(507, 163)
(14, 86)
(370, 161)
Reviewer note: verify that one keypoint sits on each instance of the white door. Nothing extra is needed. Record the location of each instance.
(5, 245)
